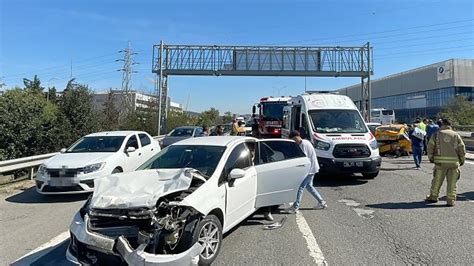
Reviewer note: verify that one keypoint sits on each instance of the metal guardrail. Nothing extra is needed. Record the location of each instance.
(31, 162)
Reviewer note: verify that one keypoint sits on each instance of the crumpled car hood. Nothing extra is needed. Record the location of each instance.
(138, 189)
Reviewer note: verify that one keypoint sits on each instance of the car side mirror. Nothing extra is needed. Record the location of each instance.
(63, 150)
(130, 149)
(236, 174)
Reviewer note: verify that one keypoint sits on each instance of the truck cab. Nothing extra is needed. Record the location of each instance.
(268, 116)
(332, 122)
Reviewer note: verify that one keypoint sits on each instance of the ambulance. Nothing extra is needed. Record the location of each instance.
(333, 124)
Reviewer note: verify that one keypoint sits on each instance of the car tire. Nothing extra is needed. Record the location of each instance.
(201, 232)
(370, 175)
(117, 170)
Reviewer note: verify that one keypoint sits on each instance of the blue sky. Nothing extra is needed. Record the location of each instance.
(44, 37)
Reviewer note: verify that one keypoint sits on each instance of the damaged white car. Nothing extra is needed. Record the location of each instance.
(175, 208)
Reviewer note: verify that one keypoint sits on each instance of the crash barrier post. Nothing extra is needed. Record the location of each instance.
(32, 162)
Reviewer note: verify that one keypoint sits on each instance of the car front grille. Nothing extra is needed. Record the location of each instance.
(114, 223)
(48, 188)
(351, 151)
(63, 172)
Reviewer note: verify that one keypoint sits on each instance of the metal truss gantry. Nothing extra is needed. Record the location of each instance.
(295, 61)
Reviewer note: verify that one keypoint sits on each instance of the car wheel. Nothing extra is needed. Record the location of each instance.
(370, 175)
(117, 170)
(208, 233)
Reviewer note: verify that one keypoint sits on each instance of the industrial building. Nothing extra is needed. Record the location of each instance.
(420, 92)
(139, 101)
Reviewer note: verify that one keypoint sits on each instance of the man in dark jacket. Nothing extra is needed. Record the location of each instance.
(417, 136)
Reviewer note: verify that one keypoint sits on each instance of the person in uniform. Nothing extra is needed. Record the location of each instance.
(447, 151)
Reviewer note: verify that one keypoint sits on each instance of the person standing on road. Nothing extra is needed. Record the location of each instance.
(416, 136)
(240, 128)
(431, 129)
(218, 132)
(235, 128)
(206, 131)
(424, 123)
(307, 183)
(448, 152)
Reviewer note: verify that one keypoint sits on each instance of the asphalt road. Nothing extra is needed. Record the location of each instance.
(380, 221)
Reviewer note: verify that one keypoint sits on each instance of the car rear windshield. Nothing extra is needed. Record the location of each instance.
(182, 132)
(337, 121)
(200, 157)
(97, 144)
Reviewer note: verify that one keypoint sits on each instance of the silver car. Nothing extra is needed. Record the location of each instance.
(181, 133)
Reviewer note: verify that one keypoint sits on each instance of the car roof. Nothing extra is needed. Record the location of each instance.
(190, 127)
(114, 133)
(213, 140)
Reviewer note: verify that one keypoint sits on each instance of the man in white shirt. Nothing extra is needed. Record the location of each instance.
(307, 183)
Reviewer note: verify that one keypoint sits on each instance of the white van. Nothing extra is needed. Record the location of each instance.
(340, 136)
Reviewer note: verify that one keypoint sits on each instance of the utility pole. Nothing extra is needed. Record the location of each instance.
(127, 69)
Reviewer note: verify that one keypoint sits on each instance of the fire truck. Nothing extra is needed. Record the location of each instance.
(268, 116)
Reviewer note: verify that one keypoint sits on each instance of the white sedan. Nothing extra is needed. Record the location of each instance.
(94, 156)
(174, 209)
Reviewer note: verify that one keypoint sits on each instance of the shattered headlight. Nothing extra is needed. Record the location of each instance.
(85, 208)
(93, 167)
(42, 170)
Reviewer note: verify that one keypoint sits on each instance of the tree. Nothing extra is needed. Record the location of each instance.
(30, 125)
(52, 95)
(33, 85)
(76, 105)
(227, 117)
(110, 117)
(459, 110)
(209, 117)
(177, 119)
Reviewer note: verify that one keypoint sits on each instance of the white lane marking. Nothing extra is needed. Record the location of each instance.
(314, 250)
(348, 202)
(37, 252)
(469, 162)
(364, 213)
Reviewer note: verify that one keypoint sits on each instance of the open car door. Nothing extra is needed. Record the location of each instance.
(281, 167)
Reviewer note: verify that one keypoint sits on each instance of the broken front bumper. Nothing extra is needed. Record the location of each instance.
(104, 245)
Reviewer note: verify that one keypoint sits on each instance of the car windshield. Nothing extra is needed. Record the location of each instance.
(97, 144)
(182, 132)
(337, 121)
(200, 157)
(273, 111)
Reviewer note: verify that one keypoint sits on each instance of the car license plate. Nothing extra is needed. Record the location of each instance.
(353, 164)
(61, 182)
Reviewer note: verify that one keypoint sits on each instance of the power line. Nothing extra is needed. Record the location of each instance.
(373, 33)
(64, 66)
(422, 52)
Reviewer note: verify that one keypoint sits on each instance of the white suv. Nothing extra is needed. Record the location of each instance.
(94, 156)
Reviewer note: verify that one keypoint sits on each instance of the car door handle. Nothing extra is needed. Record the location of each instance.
(139, 154)
(152, 149)
(301, 165)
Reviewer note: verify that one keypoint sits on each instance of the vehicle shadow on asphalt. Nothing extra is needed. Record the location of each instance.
(405, 205)
(391, 169)
(30, 195)
(335, 181)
